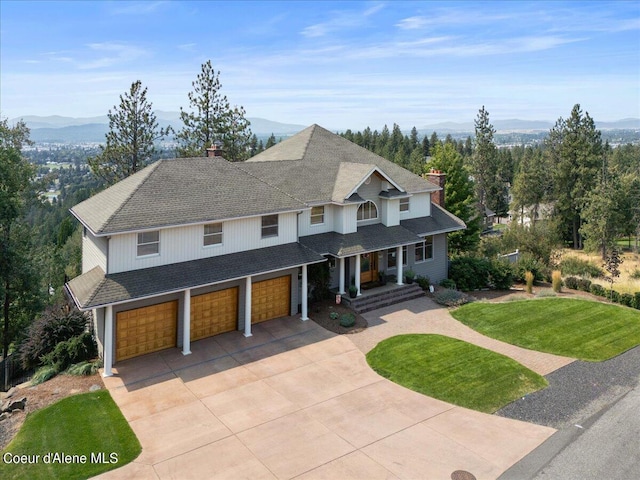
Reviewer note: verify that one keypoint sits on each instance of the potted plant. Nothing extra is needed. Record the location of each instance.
(409, 275)
(382, 278)
(353, 291)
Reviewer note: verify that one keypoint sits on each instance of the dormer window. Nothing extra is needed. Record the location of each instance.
(404, 204)
(367, 211)
(148, 243)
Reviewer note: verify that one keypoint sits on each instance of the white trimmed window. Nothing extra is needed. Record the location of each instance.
(212, 234)
(424, 250)
(367, 211)
(269, 226)
(317, 215)
(404, 204)
(392, 261)
(148, 243)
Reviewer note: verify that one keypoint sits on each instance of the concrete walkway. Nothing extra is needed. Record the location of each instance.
(422, 315)
(296, 401)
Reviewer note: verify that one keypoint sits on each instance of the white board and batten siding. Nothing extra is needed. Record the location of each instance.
(181, 244)
(419, 206)
(306, 228)
(94, 252)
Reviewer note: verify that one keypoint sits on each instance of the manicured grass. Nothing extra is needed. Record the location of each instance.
(581, 329)
(454, 371)
(85, 424)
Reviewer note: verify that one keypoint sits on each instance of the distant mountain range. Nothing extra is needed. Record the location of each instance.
(58, 129)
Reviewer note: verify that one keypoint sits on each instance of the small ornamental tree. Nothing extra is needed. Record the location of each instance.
(612, 263)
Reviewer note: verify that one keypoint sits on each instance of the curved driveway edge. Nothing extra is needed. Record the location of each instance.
(296, 401)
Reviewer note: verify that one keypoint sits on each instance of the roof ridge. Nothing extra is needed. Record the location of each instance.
(152, 168)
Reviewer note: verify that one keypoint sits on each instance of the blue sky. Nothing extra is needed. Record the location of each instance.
(338, 64)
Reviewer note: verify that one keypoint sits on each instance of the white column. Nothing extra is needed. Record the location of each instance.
(358, 274)
(305, 294)
(186, 325)
(247, 307)
(341, 290)
(399, 261)
(107, 353)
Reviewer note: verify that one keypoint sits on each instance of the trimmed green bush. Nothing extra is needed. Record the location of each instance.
(423, 282)
(347, 320)
(529, 263)
(597, 290)
(472, 273)
(636, 300)
(571, 283)
(500, 275)
(584, 284)
(613, 296)
(448, 283)
(626, 299)
(334, 315)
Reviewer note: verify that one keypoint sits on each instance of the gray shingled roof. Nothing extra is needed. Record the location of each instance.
(367, 239)
(181, 191)
(310, 166)
(440, 221)
(93, 289)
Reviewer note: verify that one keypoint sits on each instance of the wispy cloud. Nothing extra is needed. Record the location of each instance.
(112, 54)
(341, 20)
(136, 8)
(412, 23)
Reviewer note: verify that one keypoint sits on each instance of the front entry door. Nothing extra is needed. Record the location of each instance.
(369, 267)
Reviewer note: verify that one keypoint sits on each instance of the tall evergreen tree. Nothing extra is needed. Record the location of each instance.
(484, 159)
(575, 150)
(130, 142)
(212, 119)
(459, 195)
(531, 185)
(271, 141)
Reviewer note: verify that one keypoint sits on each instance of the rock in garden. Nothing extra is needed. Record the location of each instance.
(93, 388)
(17, 404)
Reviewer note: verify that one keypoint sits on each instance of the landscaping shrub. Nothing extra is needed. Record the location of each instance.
(77, 349)
(529, 263)
(636, 300)
(571, 283)
(626, 299)
(448, 283)
(584, 284)
(347, 320)
(469, 273)
(43, 374)
(83, 368)
(47, 331)
(423, 282)
(613, 296)
(579, 267)
(319, 281)
(556, 281)
(500, 275)
(546, 292)
(597, 290)
(334, 315)
(451, 298)
(636, 274)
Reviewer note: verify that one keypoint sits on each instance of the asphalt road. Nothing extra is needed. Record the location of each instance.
(596, 408)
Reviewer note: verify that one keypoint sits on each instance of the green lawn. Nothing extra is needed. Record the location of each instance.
(581, 329)
(454, 371)
(89, 424)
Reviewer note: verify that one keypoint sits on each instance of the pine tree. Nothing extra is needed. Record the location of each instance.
(130, 142)
(212, 119)
(483, 159)
(271, 141)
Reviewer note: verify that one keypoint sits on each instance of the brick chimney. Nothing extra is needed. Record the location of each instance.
(437, 177)
(215, 150)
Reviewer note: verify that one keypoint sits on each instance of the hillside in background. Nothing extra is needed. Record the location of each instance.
(59, 129)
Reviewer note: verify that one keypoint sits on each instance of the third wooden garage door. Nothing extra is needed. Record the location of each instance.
(214, 313)
(270, 299)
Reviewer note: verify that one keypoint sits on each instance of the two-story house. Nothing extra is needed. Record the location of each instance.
(193, 247)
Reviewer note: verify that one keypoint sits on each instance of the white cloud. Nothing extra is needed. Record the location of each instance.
(115, 54)
(411, 23)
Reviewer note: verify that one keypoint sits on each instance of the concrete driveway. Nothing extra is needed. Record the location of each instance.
(296, 401)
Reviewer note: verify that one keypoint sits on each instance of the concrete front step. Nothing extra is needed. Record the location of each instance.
(385, 298)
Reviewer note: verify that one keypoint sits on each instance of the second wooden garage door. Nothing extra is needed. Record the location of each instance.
(270, 299)
(214, 313)
(146, 330)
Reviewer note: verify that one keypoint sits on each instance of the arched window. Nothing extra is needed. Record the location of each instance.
(367, 211)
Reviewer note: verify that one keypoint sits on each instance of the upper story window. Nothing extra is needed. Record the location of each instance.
(367, 211)
(404, 204)
(424, 250)
(317, 215)
(212, 234)
(269, 226)
(148, 243)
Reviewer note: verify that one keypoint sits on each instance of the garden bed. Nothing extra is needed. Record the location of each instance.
(321, 313)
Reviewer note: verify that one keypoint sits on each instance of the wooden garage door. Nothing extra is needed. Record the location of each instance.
(214, 313)
(270, 299)
(146, 330)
